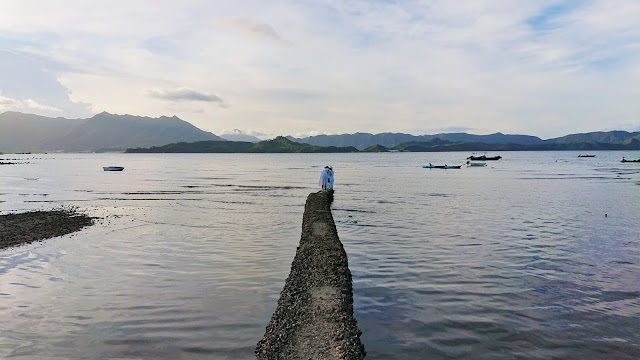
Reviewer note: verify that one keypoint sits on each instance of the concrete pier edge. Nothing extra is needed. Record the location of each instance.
(314, 317)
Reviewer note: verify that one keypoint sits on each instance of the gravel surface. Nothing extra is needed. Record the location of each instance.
(24, 228)
(314, 318)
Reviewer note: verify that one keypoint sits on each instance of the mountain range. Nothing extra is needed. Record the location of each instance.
(390, 140)
(364, 140)
(103, 132)
(443, 145)
(284, 145)
(278, 145)
(109, 132)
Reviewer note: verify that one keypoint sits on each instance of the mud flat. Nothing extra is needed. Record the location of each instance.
(24, 228)
(314, 318)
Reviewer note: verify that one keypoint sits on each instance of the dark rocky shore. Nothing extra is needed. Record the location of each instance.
(314, 318)
(24, 228)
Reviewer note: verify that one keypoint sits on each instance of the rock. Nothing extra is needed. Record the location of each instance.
(24, 228)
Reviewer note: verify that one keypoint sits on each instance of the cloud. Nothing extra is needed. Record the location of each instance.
(240, 135)
(182, 94)
(242, 132)
(31, 104)
(542, 67)
(29, 83)
(233, 132)
(302, 135)
(28, 105)
(251, 28)
(452, 129)
(5, 101)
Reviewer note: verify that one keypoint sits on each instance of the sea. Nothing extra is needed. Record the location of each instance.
(535, 256)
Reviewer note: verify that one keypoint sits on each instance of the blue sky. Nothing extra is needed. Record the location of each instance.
(544, 68)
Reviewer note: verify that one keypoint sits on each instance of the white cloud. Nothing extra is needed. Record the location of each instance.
(7, 102)
(31, 104)
(233, 132)
(310, 133)
(251, 28)
(182, 94)
(27, 105)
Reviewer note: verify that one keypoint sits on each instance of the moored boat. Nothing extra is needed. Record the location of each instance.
(586, 155)
(634, 161)
(484, 158)
(112, 168)
(441, 166)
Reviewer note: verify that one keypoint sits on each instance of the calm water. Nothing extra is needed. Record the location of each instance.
(515, 260)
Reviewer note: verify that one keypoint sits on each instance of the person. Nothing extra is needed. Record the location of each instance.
(330, 179)
(324, 178)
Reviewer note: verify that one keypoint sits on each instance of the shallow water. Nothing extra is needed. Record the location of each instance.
(514, 260)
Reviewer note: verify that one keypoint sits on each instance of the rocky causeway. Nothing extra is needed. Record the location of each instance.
(314, 317)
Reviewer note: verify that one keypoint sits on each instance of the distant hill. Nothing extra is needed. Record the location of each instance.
(357, 140)
(364, 140)
(391, 140)
(103, 132)
(199, 147)
(26, 132)
(609, 137)
(277, 145)
(284, 145)
(32, 133)
(438, 145)
(375, 148)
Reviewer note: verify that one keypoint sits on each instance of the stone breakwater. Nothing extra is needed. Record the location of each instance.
(314, 318)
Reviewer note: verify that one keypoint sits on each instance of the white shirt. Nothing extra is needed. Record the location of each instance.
(324, 176)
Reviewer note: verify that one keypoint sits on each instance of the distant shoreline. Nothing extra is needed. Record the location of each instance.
(24, 228)
(284, 145)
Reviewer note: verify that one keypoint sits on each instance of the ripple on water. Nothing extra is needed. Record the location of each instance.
(189, 260)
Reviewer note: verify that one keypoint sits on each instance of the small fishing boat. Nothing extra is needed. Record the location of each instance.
(476, 164)
(586, 155)
(112, 168)
(441, 166)
(634, 161)
(484, 158)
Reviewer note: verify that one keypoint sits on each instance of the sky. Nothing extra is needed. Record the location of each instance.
(542, 67)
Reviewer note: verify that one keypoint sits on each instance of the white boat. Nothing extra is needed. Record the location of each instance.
(470, 164)
(112, 168)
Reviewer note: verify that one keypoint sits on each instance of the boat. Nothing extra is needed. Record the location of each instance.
(112, 168)
(586, 155)
(625, 160)
(484, 158)
(476, 164)
(441, 166)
